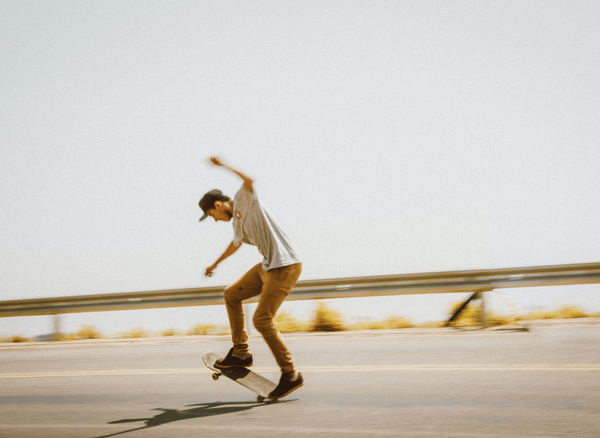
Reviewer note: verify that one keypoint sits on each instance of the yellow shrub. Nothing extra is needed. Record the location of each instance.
(169, 332)
(286, 323)
(134, 333)
(396, 322)
(562, 313)
(327, 320)
(571, 312)
(202, 329)
(88, 332)
(494, 320)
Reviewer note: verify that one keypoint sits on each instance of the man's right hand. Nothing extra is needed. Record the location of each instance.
(209, 270)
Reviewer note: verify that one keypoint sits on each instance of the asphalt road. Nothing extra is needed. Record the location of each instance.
(440, 383)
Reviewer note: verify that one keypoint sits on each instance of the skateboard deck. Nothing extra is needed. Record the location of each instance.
(251, 380)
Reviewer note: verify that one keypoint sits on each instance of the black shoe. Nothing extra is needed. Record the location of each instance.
(231, 361)
(286, 385)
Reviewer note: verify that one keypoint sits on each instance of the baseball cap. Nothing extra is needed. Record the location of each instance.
(208, 201)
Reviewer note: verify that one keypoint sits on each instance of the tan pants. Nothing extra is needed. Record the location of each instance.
(273, 287)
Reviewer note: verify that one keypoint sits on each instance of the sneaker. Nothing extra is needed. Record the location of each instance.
(286, 385)
(231, 361)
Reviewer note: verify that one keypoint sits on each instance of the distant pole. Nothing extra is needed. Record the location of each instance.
(56, 331)
(482, 318)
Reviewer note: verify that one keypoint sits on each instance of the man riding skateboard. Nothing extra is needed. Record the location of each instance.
(272, 279)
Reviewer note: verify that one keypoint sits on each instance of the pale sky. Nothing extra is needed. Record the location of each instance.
(387, 137)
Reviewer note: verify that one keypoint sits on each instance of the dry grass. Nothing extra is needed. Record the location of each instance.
(134, 334)
(327, 319)
(471, 316)
(88, 332)
(431, 324)
(15, 339)
(286, 323)
(209, 329)
(169, 332)
(390, 323)
(564, 312)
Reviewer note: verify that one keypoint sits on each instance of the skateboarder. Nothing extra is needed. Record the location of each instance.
(272, 279)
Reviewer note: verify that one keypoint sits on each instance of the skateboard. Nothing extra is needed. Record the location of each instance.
(251, 380)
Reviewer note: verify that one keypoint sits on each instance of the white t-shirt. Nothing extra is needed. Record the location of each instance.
(253, 224)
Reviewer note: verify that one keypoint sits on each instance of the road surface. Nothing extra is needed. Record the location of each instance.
(438, 383)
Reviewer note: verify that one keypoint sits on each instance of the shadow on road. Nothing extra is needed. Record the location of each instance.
(200, 411)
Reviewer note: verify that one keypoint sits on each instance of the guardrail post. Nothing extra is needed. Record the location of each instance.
(462, 307)
(479, 295)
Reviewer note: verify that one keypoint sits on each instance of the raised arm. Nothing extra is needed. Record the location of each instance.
(247, 180)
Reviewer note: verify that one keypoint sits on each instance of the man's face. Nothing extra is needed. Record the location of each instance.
(219, 213)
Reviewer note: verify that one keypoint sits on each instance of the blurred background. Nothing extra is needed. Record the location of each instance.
(387, 137)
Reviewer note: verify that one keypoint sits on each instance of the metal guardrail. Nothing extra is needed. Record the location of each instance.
(406, 284)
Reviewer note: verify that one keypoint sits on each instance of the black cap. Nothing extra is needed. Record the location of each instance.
(208, 201)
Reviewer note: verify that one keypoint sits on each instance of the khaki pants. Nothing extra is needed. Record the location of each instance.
(273, 287)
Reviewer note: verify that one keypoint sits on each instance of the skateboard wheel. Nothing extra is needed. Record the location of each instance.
(215, 376)
(260, 399)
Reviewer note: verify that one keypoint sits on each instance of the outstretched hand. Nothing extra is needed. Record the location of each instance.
(215, 160)
(209, 270)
